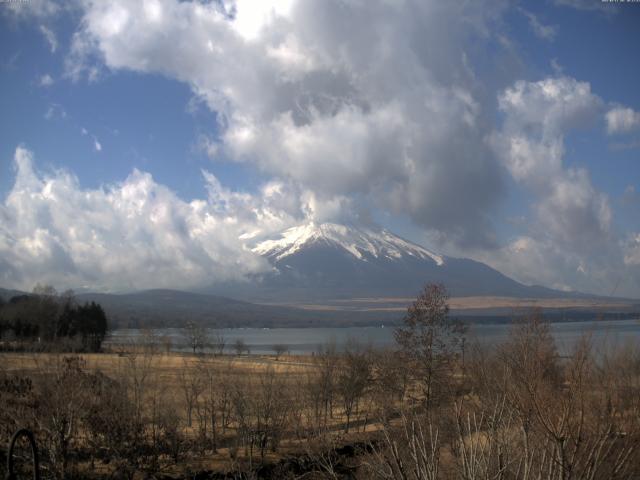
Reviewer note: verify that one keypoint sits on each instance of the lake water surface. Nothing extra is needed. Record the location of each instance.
(604, 335)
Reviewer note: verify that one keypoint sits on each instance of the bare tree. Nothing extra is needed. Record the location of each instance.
(136, 371)
(223, 392)
(391, 379)
(279, 349)
(111, 425)
(208, 409)
(540, 416)
(409, 451)
(191, 388)
(354, 376)
(196, 337)
(150, 341)
(242, 400)
(322, 383)
(584, 432)
(218, 342)
(60, 403)
(431, 340)
(240, 346)
(271, 409)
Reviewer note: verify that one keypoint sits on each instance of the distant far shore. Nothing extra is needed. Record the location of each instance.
(467, 303)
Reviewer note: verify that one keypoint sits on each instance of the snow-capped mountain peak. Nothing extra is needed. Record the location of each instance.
(361, 242)
(331, 261)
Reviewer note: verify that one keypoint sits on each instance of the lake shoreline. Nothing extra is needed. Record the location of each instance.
(306, 340)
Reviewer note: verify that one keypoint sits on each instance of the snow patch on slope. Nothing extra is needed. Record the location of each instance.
(358, 241)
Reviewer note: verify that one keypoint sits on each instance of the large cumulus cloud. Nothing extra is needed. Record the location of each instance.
(568, 240)
(372, 98)
(538, 115)
(134, 234)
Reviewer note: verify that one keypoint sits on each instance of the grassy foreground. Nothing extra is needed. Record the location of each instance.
(199, 412)
(431, 408)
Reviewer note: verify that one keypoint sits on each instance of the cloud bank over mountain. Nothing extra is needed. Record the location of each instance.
(130, 235)
(415, 109)
(374, 91)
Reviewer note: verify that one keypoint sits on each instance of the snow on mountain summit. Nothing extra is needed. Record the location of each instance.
(319, 261)
(361, 242)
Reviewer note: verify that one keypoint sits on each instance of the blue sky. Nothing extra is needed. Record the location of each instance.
(175, 134)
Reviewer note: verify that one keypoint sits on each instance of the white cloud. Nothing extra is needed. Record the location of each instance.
(133, 234)
(346, 98)
(632, 250)
(54, 111)
(569, 239)
(45, 80)
(557, 68)
(549, 106)
(97, 146)
(207, 145)
(251, 17)
(50, 37)
(622, 120)
(545, 32)
(575, 214)
(536, 260)
(531, 145)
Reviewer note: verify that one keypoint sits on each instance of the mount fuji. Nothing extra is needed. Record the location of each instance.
(328, 260)
(327, 274)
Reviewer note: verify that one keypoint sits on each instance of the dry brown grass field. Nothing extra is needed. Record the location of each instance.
(432, 407)
(162, 380)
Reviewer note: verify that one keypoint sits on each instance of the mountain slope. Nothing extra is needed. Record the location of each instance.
(316, 261)
(362, 243)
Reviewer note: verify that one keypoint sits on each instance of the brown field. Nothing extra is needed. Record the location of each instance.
(400, 304)
(164, 377)
(166, 365)
(461, 412)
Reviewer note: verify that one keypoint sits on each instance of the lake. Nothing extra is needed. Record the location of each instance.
(299, 341)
